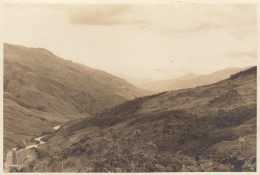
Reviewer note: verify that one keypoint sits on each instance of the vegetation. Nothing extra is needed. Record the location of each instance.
(188, 130)
(41, 90)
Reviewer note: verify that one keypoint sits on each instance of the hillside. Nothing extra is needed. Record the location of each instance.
(208, 128)
(48, 83)
(190, 80)
(41, 90)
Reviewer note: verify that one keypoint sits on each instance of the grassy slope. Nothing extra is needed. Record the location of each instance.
(50, 84)
(185, 130)
(41, 89)
(21, 124)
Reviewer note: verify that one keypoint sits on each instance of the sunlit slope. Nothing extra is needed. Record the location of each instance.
(41, 90)
(51, 84)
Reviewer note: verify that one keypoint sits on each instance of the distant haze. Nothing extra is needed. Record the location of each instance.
(139, 42)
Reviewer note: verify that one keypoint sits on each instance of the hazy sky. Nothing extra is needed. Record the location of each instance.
(149, 41)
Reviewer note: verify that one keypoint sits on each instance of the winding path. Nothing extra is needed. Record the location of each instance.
(24, 154)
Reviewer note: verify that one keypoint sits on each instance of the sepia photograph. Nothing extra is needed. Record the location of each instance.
(128, 87)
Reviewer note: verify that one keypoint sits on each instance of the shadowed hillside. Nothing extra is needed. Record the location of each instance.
(208, 128)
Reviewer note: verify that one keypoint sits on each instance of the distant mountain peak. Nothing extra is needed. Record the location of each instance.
(191, 80)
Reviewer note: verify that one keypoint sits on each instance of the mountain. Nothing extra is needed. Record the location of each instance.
(51, 84)
(41, 90)
(190, 80)
(207, 128)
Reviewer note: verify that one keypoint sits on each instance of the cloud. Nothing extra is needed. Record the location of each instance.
(188, 17)
(243, 54)
(106, 15)
(240, 20)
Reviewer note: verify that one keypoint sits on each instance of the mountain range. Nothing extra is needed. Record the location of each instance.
(190, 80)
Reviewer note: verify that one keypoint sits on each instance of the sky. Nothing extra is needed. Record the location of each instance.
(139, 42)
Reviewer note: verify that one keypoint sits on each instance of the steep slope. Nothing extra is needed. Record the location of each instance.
(190, 80)
(41, 90)
(48, 83)
(208, 128)
(22, 124)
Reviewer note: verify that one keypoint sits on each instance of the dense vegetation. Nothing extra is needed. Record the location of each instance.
(208, 128)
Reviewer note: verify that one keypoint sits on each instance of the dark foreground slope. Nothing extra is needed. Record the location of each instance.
(208, 128)
(41, 90)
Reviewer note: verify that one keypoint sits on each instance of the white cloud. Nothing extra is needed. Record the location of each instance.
(167, 18)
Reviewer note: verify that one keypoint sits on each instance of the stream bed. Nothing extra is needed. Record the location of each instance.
(39, 141)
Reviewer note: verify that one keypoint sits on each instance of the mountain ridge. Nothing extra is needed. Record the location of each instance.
(48, 76)
(191, 80)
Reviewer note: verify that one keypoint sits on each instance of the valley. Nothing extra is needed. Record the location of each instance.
(63, 116)
(42, 90)
(196, 129)
(113, 87)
